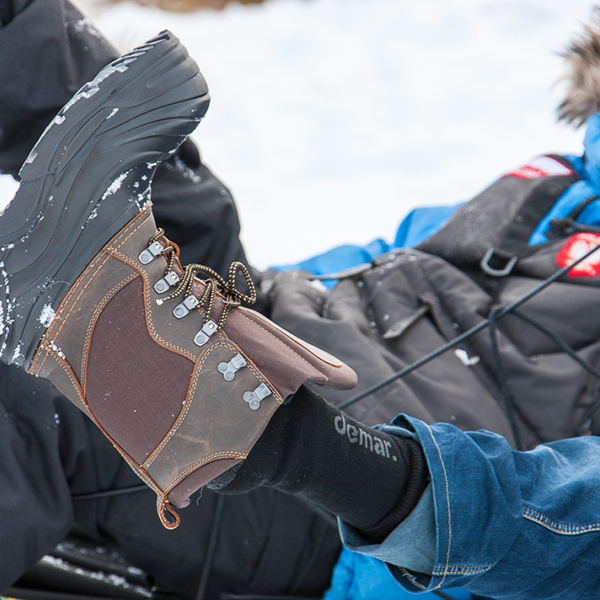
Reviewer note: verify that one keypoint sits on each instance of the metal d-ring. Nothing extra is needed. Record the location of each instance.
(489, 270)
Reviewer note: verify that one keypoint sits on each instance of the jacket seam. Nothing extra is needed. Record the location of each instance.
(448, 506)
(462, 569)
(557, 527)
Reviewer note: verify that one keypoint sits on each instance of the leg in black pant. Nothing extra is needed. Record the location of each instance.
(371, 479)
(47, 52)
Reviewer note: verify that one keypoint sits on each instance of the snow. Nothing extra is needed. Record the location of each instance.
(16, 354)
(186, 171)
(331, 119)
(115, 186)
(47, 315)
(87, 92)
(85, 25)
(8, 188)
(110, 579)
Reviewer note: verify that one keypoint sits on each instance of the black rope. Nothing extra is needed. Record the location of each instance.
(211, 548)
(466, 335)
(132, 489)
(559, 342)
(569, 226)
(509, 403)
(586, 425)
(576, 212)
(511, 407)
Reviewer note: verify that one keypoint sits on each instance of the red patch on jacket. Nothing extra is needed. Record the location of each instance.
(574, 248)
(542, 166)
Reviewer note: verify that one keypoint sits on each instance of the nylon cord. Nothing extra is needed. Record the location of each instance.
(132, 489)
(211, 548)
(509, 402)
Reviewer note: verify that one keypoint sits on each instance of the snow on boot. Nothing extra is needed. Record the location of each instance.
(180, 377)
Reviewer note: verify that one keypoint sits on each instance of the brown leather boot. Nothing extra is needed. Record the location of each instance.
(183, 386)
(180, 377)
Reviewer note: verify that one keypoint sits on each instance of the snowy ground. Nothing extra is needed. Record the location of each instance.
(331, 119)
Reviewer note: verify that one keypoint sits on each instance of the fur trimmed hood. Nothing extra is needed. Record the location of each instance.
(583, 75)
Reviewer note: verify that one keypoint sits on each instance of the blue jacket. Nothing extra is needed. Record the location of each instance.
(497, 522)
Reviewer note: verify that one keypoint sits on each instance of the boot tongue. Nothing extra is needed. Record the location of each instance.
(285, 360)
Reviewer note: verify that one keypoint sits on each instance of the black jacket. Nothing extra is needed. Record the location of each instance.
(269, 543)
(522, 381)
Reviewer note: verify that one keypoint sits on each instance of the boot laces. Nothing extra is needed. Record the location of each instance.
(213, 282)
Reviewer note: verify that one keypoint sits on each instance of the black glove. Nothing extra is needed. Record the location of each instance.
(371, 479)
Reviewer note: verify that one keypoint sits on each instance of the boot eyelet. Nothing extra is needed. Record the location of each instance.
(209, 328)
(168, 281)
(150, 253)
(183, 309)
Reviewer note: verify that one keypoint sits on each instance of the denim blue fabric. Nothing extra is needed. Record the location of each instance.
(412, 545)
(511, 525)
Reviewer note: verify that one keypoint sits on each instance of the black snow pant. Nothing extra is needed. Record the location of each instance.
(269, 543)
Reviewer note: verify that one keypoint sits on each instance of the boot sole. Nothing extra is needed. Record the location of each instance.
(87, 177)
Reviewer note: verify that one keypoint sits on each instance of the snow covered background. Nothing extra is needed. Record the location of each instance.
(331, 119)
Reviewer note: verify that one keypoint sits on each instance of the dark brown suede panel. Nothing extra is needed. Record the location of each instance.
(73, 339)
(135, 387)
